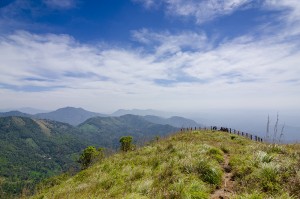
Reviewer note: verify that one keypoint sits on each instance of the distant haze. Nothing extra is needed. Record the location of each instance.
(252, 121)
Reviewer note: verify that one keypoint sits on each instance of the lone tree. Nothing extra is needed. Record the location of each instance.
(126, 143)
(89, 155)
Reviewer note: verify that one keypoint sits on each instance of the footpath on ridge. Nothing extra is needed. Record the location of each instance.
(226, 189)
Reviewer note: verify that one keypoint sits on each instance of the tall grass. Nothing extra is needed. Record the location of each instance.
(187, 165)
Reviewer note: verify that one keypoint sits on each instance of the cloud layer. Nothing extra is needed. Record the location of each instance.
(201, 10)
(169, 71)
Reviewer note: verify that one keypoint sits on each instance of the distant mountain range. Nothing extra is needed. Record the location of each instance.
(27, 110)
(173, 121)
(140, 112)
(76, 116)
(70, 115)
(15, 113)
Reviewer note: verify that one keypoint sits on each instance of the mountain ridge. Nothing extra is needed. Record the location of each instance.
(76, 116)
(192, 164)
(70, 115)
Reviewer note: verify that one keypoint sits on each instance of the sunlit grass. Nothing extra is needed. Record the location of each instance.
(188, 165)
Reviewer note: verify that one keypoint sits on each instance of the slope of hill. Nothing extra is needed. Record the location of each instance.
(198, 164)
(14, 113)
(106, 131)
(175, 121)
(141, 112)
(31, 150)
(70, 115)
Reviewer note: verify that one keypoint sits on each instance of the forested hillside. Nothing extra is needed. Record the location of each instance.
(34, 149)
(31, 150)
(106, 131)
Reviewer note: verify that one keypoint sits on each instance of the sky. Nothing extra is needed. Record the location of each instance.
(170, 55)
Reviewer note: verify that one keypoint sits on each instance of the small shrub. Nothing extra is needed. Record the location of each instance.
(208, 173)
(126, 143)
(255, 195)
(107, 183)
(187, 166)
(224, 149)
(217, 154)
(154, 162)
(171, 148)
(241, 166)
(196, 190)
(176, 189)
(90, 155)
(275, 148)
(214, 151)
(144, 186)
(269, 177)
(263, 157)
(137, 175)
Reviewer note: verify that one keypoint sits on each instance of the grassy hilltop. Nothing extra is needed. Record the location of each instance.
(197, 164)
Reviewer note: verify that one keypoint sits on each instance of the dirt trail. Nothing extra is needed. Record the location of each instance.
(226, 189)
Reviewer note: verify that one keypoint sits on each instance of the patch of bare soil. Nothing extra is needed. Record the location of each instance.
(226, 189)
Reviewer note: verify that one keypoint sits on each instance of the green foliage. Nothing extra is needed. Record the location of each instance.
(263, 157)
(32, 150)
(216, 153)
(126, 143)
(196, 190)
(275, 148)
(233, 137)
(52, 181)
(209, 173)
(269, 178)
(255, 195)
(89, 155)
(106, 131)
(185, 166)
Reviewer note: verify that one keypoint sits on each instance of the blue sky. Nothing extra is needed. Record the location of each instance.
(171, 55)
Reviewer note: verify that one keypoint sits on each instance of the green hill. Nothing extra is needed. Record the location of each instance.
(106, 131)
(70, 115)
(31, 150)
(176, 121)
(14, 113)
(34, 149)
(197, 164)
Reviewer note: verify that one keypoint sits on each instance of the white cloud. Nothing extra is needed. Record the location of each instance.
(289, 19)
(201, 10)
(240, 72)
(166, 43)
(169, 71)
(62, 4)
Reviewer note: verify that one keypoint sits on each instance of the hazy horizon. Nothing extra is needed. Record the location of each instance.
(252, 121)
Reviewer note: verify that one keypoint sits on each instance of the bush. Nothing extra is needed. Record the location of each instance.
(217, 154)
(197, 192)
(89, 155)
(263, 157)
(126, 143)
(254, 195)
(269, 177)
(224, 149)
(208, 173)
